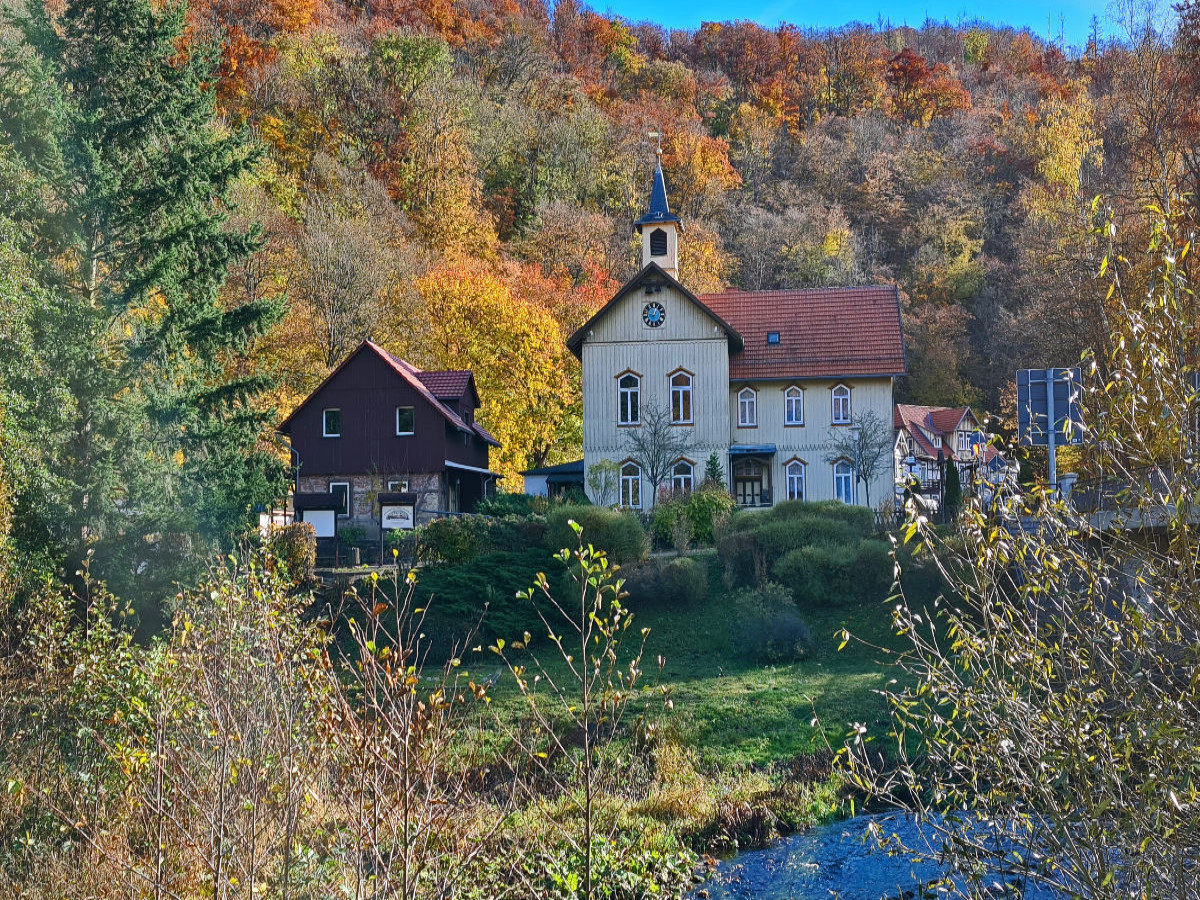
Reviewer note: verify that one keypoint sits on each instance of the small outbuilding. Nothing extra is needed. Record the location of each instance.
(555, 481)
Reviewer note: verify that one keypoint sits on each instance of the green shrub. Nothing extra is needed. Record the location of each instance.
(619, 534)
(699, 508)
(676, 582)
(461, 539)
(505, 505)
(295, 546)
(456, 594)
(768, 626)
(453, 539)
(757, 541)
(823, 574)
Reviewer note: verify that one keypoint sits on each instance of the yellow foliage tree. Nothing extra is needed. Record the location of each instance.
(514, 347)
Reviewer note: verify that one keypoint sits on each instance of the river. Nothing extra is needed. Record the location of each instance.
(834, 862)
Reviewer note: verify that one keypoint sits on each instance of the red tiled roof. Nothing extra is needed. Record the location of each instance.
(823, 332)
(449, 383)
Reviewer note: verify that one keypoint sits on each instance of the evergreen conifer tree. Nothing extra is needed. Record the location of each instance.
(954, 494)
(111, 119)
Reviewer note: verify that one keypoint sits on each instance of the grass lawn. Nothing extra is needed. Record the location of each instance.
(734, 712)
(737, 712)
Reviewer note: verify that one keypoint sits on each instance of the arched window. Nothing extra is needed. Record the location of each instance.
(747, 408)
(629, 396)
(793, 406)
(843, 481)
(658, 242)
(794, 471)
(631, 486)
(681, 398)
(841, 405)
(683, 477)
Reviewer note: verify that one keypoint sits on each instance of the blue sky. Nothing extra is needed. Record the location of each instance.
(1042, 17)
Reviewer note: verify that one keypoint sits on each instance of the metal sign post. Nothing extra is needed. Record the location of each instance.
(1048, 411)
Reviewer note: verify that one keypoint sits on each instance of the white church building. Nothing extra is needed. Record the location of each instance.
(762, 379)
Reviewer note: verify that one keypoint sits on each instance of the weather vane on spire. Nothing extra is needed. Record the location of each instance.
(657, 135)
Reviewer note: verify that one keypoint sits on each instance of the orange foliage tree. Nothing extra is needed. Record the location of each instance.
(515, 348)
(921, 92)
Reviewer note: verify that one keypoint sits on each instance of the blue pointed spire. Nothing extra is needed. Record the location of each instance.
(660, 210)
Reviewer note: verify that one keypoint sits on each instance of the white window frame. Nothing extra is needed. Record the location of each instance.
(629, 400)
(843, 471)
(682, 392)
(964, 441)
(793, 402)
(747, 408)
(325, 432)
(398, 486)
(400, 433)
(631, 485)
(795, 473)
(683, 482)
(840, 399)
(349, 497)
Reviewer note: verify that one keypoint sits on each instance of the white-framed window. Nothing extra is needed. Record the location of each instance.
(683, 477)
(631, 485)
(964, 441)
(406, 420)
(629, 399)
(843, 481)
(341, 490)
(794, 473)
(747, 408)
(398, 486)
(793, 406)
(681, 398)
(841, 405)
(331, 423)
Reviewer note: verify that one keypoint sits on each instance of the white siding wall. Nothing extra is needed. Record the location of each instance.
(620, 342)
(808, 442)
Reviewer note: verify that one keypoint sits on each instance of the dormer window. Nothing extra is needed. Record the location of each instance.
(658, 242)
(772, 338)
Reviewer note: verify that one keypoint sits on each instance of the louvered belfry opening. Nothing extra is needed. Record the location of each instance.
(658, 242)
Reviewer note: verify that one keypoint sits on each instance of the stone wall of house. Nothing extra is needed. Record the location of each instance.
(365, 490)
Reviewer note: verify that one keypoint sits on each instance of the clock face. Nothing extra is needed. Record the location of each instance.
(653, 314)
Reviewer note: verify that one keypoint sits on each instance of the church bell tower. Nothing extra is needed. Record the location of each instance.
(659, 228)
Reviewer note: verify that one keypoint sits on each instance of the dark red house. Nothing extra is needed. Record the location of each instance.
(378, 424)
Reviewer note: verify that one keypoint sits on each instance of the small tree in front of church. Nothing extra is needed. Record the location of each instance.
(867, 444)
(655, 445)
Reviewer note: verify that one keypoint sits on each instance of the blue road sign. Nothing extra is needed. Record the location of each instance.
(1049, 394)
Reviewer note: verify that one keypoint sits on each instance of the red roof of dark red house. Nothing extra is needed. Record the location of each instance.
(449, 383)
(822, 332)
